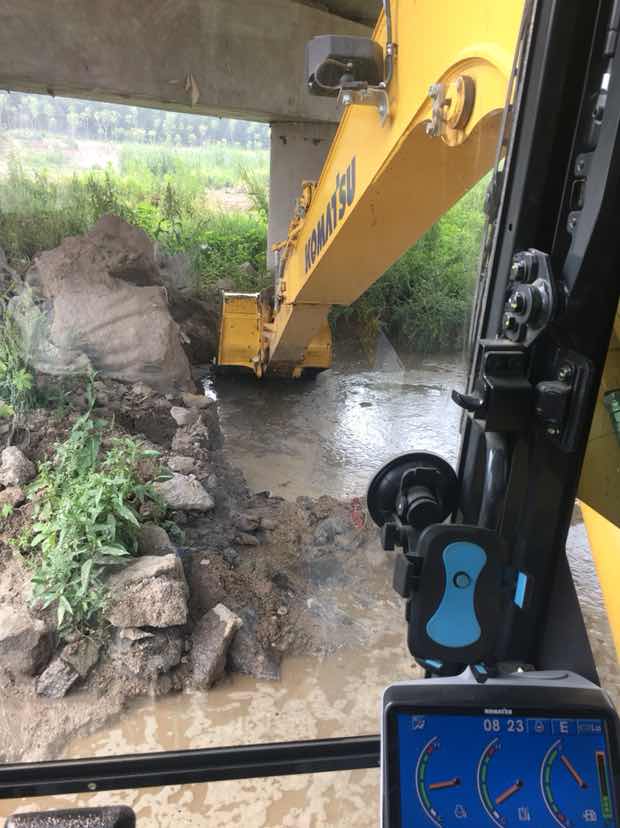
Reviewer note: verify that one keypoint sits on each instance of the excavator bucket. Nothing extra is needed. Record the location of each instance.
(318, 355)
(241, 330)
(245, 330)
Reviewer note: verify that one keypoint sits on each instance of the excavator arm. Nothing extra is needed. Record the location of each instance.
(404, 153)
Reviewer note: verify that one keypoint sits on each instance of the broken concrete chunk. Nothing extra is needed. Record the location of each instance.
(211, 639)
(180, 464)
(189, 439)
(184, 416)
(13, 496)
(196, 400)
(183, 493)
(81, 655)
(56, 680)
(153, 540)
(146, 653)
(25, 645)
(15, 469)
(149, 592)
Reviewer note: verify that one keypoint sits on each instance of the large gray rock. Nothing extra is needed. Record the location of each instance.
(25, 644)
(149, 592)
(99, 301)
(184, 416)
(13, 496)
(153, 540)
(146, 653)
(211, 639)
(180, 464)
(191, 440)
(185, 494)
(81, 655)
(176, 272)
(56, 680)
(15, 468)
(197, 400)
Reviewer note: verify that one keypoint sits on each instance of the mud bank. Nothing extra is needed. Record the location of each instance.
(270, 563)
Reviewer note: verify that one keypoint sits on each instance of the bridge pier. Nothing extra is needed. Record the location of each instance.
(298, 151)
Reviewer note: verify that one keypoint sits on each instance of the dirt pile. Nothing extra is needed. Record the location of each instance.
(108, 301)
(251, 579)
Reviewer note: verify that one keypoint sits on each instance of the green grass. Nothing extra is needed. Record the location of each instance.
(162, 191)
(214, 166)
(422, 302)
(17, 392)
(86, 517)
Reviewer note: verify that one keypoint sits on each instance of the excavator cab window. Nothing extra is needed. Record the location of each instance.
(402, 523)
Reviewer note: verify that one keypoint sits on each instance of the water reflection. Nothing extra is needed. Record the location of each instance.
(331, 436)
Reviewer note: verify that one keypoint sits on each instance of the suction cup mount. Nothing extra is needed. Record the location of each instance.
(456, 578)
(410, 493)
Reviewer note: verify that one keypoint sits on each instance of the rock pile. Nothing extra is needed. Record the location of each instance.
(102, 300)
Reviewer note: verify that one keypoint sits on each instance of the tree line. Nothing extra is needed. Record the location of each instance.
(112, 122)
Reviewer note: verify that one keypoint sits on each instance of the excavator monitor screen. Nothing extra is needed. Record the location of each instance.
(481, 769)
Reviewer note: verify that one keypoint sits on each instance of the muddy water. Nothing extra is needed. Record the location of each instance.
(331, 436)
(310, 439)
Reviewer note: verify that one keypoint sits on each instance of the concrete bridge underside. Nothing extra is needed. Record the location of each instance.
(233, 58)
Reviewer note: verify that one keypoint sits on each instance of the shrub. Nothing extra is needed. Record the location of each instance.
(256, 185)
(227, 241)
(37, 211)
(16, 379)
(424, 299)
(86, 517)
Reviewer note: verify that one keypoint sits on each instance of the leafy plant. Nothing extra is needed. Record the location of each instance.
(86, 518)
(423, 300)
(256, 185)
(17, 393)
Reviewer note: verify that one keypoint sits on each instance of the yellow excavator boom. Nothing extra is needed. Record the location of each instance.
(388, 177)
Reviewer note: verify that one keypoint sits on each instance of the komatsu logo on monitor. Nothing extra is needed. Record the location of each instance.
(498, 711)
(334, 211)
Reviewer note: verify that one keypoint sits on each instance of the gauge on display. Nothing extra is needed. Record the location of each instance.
(437, 791)
(575, 792)
(501, 787)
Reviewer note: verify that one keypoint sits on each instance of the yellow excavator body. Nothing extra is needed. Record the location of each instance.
(386, 180)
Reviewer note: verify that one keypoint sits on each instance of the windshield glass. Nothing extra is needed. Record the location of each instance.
(186, 555)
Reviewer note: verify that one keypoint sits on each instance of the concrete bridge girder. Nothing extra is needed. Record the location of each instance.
(234, 58)
(230, 58)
